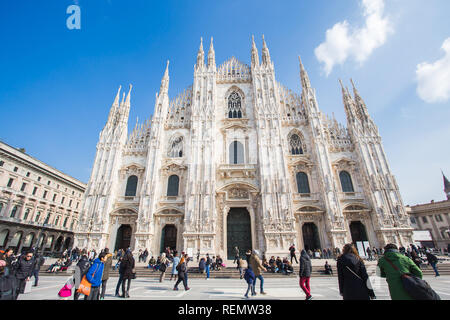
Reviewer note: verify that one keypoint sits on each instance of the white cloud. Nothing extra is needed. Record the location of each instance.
(343, 42)
(434, 78)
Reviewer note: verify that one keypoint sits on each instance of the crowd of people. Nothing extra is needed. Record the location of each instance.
(91, 272)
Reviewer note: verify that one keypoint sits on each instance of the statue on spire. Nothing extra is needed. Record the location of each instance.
(200, 55)
(255, 55)
(211, 55)
(265, 53)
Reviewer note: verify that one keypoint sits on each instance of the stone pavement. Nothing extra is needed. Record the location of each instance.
(227, 289)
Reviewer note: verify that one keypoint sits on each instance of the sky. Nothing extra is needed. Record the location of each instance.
(57, 84)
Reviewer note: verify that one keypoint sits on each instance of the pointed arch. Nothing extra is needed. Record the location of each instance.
(130, 190)
(296, 144)
(173, 186)
(176, 146)
(346, 181)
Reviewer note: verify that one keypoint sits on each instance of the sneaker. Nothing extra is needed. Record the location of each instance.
(254, 294)
(246, 296)
(263, 292)
(175, 289)
(187, 289)
(309, 298)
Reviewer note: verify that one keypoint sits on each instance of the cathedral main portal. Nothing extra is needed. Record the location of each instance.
(239, 232)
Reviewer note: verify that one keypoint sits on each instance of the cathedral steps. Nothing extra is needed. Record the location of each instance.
(233, 273)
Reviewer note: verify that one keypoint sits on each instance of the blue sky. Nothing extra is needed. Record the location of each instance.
(57, 85)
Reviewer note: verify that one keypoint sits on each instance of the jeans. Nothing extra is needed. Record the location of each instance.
(250, 288)
(304, 284)
(261, 279)
(118, 284)
(128, 286)
(433, 265)
(207, 271)
(35, 274)
(294, 257)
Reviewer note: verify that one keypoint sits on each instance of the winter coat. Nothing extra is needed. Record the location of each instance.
(181, 270)
(126, 267)
(39, 261)
(249, 276)
(202, 264)
(24, 268)
(405, 265)
(305, 265)
(107, 268)
(256, 265)
(8, 286)
(350, 286)
(81, 269)
(176, 261)
(95, 273)
(431, 258)
(292, 251)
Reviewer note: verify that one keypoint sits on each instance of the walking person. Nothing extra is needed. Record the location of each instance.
(250, 278)
(236, 254)
(81, 269)
(240, 266)
(305, 273)
(24, 269)
(128, 272)
(352, 275)
(257, 267)
(292, 252)
(38, 263)
(94, 276)
(369, 254)
(176, 261)
(163, 266)
(182, 274)
(106, 270)
(432, 261)
(392, 260)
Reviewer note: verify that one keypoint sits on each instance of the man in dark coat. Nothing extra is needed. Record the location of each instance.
(8, 283)
(38, 263)
(292, 252)
(352, 275)
(305, 273)
(24, 270)
(432, 261)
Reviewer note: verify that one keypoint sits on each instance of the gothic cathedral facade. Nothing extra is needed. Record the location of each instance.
(239, 160)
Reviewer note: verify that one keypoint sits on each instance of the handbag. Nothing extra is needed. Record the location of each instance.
(27, 288)
(133, 273)
(85, 285)
(368, 284)
(415, 287)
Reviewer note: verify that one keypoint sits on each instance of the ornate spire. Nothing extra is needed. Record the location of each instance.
(306, 84)
(114, 106)
(255, 55)
(360, 102)
(211, 55)
(127, 102)
(265, 53)
(348, 103)
(200, 55)
(165, 81)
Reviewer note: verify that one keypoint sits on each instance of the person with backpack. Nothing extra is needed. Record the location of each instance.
(305, 273)
(8, 283)
(182, 274)
(250, 278)
(292, 252)
(94, 276)
(391, 266)
(257, 267)
(352, 275)
(106, 270)
(432, 261)
(163, 266)
(81, 269)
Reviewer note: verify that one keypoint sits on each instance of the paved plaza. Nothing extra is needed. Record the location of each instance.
(285, 288)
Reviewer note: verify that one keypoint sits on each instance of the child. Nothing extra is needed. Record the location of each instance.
(249, 276)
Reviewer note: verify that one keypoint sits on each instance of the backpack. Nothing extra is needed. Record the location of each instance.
(415, 287)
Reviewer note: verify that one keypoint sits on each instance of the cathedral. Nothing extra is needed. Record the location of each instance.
(239, 160)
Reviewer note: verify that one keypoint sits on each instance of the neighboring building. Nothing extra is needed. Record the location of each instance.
(237, 159)
(434, 217)
(39, 205)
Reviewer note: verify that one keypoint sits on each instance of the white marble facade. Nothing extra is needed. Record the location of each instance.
(237, 138)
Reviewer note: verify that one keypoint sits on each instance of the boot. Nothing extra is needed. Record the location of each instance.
(127, 295)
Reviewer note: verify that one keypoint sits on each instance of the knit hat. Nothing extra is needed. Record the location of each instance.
(2, 263)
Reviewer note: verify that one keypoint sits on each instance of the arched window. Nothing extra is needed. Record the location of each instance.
(234, 105)
(176, 148)
(302, 183)
(236, 153)
(13, 212)
(25, 216)
(172, 186)
(130, 190)
(295, 144)
(38, 216)
(346, 182)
